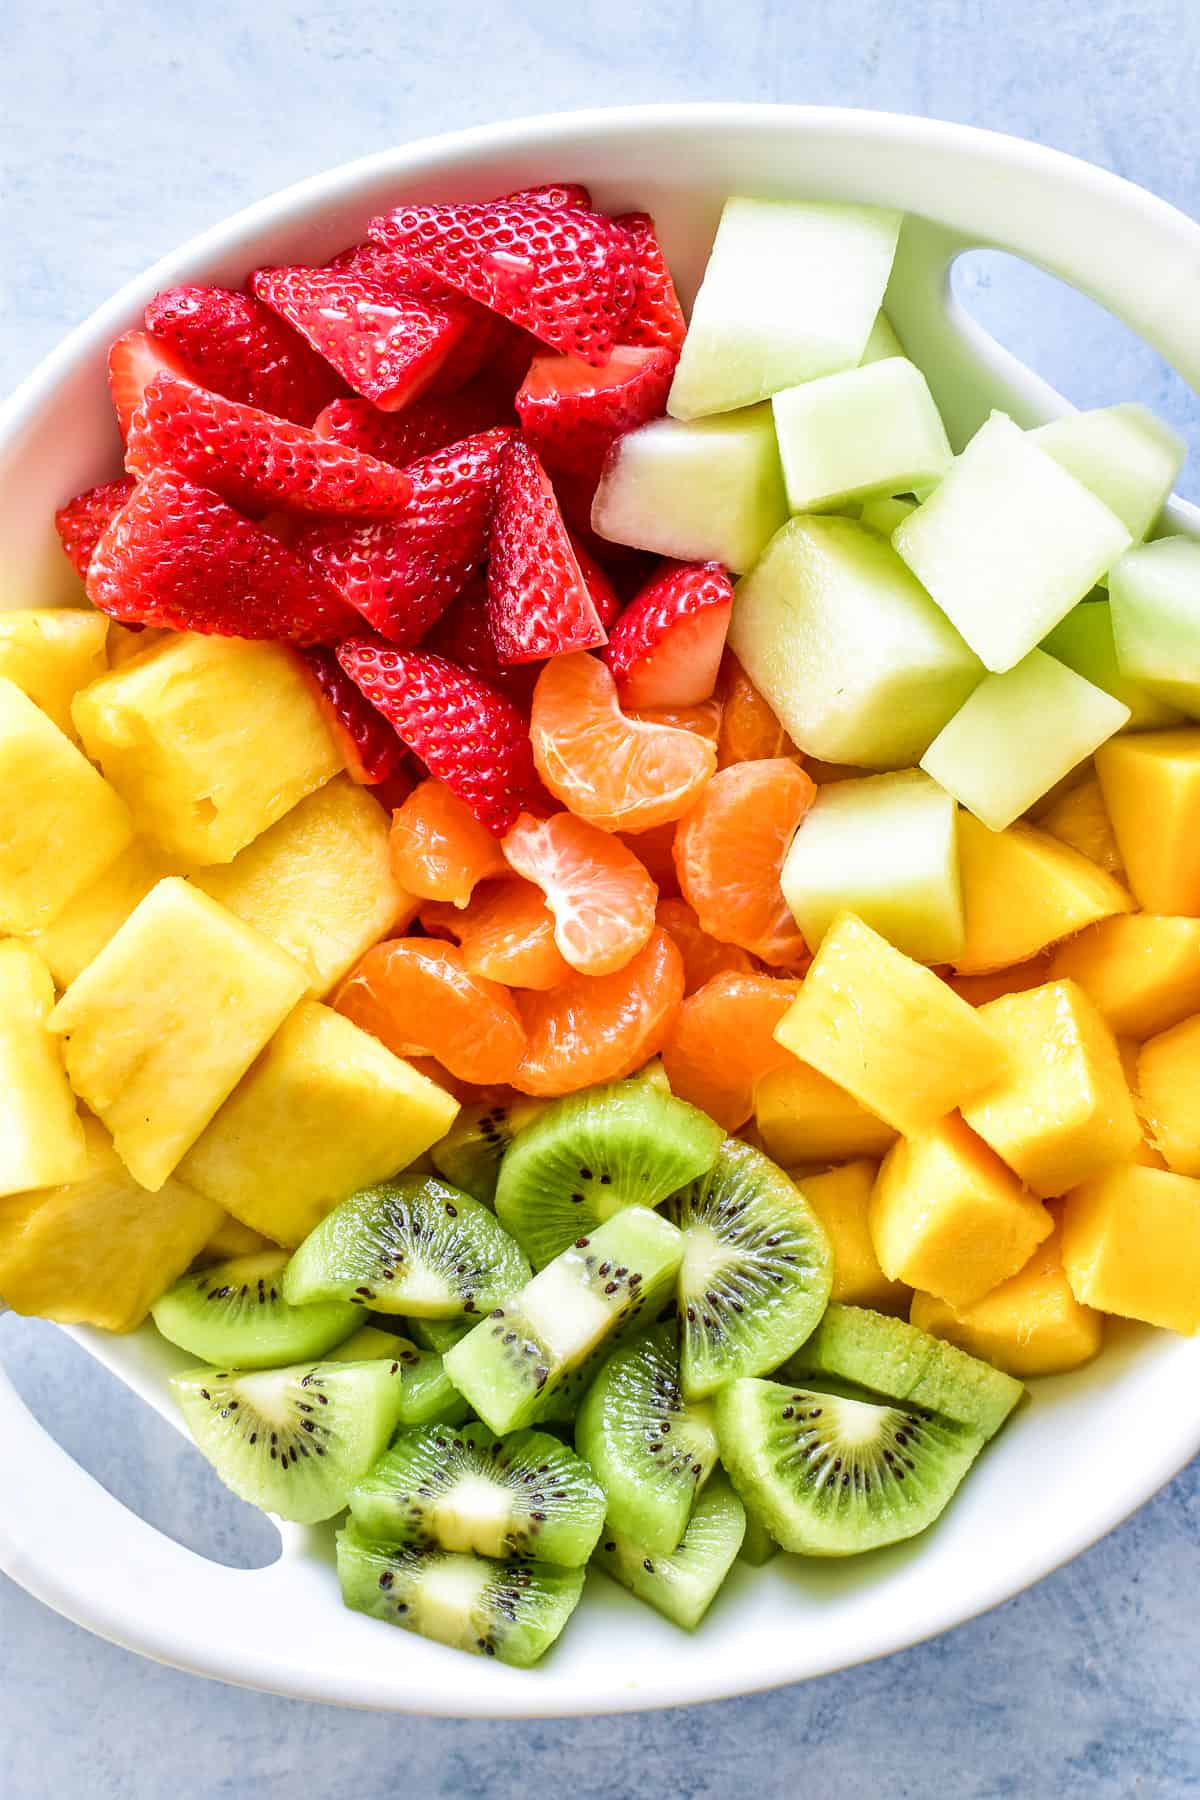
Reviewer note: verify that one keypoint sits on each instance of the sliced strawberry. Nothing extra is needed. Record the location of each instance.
(400, 438)
(665, 649)
(370, 748)
(604, 596)
(463, 635)
(468, 736)
(562, 273)
(572, 412)
(538, 599)
(656, 318)
(82, 522)
(177, 555)
(554, 193)
(484, 334)
(402, 573)
(253, 460)
(134, 359)
(237, 347)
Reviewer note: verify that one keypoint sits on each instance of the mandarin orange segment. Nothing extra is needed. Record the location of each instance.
(704, 718)
(703, 956)
(749, 730)
(506, 934)
(618, 773)
(417, 997)
(600, 894)
(438, 849)
(601, 1028)
(655, 850)
(723, 1041)
(729, 851)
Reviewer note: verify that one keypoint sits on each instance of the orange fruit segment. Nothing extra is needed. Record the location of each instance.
(655, 850)
(703, 956)
(619, 773)
(729, 852)
(438, 849)
(600, 1028)
(416, 996)
(506, 934)
(723, 1041)
(600, 895)
(749, 730)
(704, 718)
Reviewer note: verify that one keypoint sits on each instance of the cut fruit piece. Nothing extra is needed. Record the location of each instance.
(235, 1314)
(85, 924)
(1143, 973)
(723, 1042)
(237, 347)
(600, 1027)
(756, 1269)
(882, 515)
(707, 491)
(682, 1585)
(749, 731)
(882, 340)
(666, 648)
(50, 654)
(886, 849)
(979, 989)
(830, 1476)
(1151, 788)
(650, 1451)
(1079, 818)
(1167, 1069)
(233, 1239)
(1155, 592)
(841, 1199)
(468, 1490)
(729, 853)
(1125, 455)
(506, 934)
(41, 1138)
(469, 1155)
(656, 317)
(791, 291)
(439, 850)
(703, 956)
(416, 996)
(865, 431)
(803, 1117)
(1023, 890)
(1008, 543)
(80, 525)
(1056, 716)
(427, 1394)
(571, 411)
(414, 1245)
(1084, 641)
(510, 1365)
(293, 1441)
(1131, 1245)
(512, 1611)
(439, 1334)
(888, 1030)
(601, 897)
(539, 603)
(848, 649)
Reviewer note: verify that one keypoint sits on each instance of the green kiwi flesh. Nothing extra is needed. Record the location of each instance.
(441, 1334)
(681, 1586)
(427, 1394)
(235, 1314)
(469, 1154)
(758, 1546)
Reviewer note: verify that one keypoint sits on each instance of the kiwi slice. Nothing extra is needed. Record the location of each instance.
(832, 1476)
(510, 1365)
(469, 1154)
(414, 1245)
(756, 1269)
(591, 1154)
(510, 1610)
(464, 1488)
(441, 1334)
(681, 1586)
(650, 1452)
(758, 1546)
(293, 1441)
(235, 1314)
(890, 1357)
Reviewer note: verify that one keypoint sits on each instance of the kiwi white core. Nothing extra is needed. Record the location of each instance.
(446, 1600)
(475, 1515)
(561, 1311)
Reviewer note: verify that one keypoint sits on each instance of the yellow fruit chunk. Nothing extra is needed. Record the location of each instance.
(1129, 1051)
(209, 739)
(60, 822)
(1079, 818)
(324, 1111)
(1142, 971)
(888, 1030)
(1064, 1111)
(41, 1138)
(948, 1217)
(231, 1238)
(1131, 1245)
(1151, 786)
(1168, 1081)
(803, 1117)
(319, 883)
(162, 1025)
(99, 1250)
(841, 1198)
(1031, 1324)
(124, 642)
(50, 653)
(979, 989)
(87, 921)
(1022, 890)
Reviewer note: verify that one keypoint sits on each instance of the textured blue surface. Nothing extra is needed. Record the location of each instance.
(125, 128)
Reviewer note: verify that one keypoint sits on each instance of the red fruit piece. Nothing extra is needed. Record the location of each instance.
(237, 347)
(656, 317)
(538, 600)
(370, 748)
(134, 359)
(665, 649)
(82, 522)
(431, 424)
(468, 736)
(571, 412)
(604, 596)
(484, 337)
(254, 461)
(562, 273)
(402, 573)
(555, 193)
(177, 555)
(463, 635)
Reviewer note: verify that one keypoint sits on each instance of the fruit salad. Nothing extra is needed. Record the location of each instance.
(597, 924)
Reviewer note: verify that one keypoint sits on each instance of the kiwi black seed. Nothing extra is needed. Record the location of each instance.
(235, 1314)
(682, 1585)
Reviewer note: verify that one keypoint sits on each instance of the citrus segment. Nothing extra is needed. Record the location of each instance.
(417, 997)
(600, 1028)
(506, 934)
(655, 850)
(438, 848)
(703, 956)
(704, 718)
(749, 729)
(723, 1041)
(729, 851)
(600, 894)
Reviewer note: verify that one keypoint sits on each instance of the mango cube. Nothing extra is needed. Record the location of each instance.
(163, 1023)
(209, 740)
(1151, 788)
(87, 921)
(1168, 1080)
(41, 1138)
(1129, 1051)
(979, 989)
(1022, 890)
(324, 1111)
(1124, 454)
(888, 1030)
(50, 653)
(1131, 1245)
(947, 1216)
(858, 433)
(802, 1117)
(841, 1199)
(1079, 818)
(1142, 971)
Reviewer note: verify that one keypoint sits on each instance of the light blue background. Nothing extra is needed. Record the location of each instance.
(125, 128)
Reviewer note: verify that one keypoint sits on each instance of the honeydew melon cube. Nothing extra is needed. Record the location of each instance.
(1155, 598)
(791, 291)
(1084, 641)
(847, 648)
(1127, 457)
(709, 491)
(1009, 542)
(884, 513)
(866, 431)
(885, 848)
(882, 341)
(1018, 734)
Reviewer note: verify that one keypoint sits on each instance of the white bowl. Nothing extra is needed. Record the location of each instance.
(1089, 1448)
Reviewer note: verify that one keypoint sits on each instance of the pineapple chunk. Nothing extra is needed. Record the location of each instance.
(888, 1030)
(1168, 1072)
(162, 1025)
(41, 1139)
(841, 1200)
(60, 822)
(209, 739)
(1078, 817)
(1131, 1245)
(1064, 1110)
(325, 1111)
(87, 921)
(50, 653)
(803, 1117)
(1142, 972)
(99, 1250)
(231, 1238)
(1023, 890)
(1151, 787)
(319, 883)
(948, 1217)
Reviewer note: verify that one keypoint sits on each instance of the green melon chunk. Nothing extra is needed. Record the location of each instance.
(1084, 641)
(862, 432)
(1155, 597)
(885, 513)
(882, 341)
(1123, 454)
